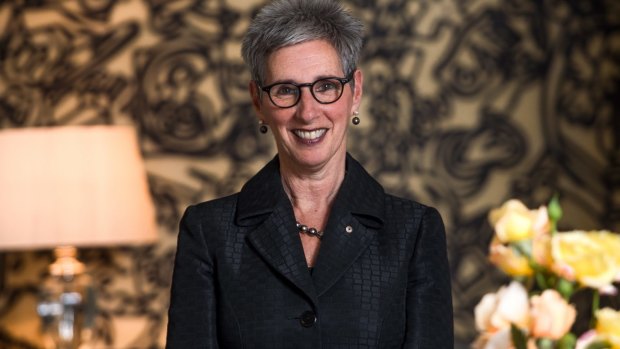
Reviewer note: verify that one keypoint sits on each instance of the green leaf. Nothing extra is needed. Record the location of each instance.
(522, 248)
(545, 343)
(541, 281)
(565, 287)
(518, 337)
(567, 342)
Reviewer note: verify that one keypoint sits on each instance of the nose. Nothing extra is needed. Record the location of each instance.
(307, 106)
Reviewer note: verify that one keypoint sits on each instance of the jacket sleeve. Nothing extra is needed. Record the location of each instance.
(429, 294)
(192, 312)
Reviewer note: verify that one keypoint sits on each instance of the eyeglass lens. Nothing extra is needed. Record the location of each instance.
(324, 91)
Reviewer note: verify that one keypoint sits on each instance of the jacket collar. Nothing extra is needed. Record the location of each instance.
(356, 215)
(359, 194)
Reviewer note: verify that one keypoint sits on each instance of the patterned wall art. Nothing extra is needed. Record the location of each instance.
(466, 103)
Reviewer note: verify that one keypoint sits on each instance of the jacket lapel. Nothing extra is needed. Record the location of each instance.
(339, 249)
(264, 205)
(355, 218)
(278, 243)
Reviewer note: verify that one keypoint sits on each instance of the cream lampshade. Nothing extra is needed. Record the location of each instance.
(75, 185)
(68, 187)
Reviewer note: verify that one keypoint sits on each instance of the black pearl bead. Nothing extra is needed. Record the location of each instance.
(308, 230)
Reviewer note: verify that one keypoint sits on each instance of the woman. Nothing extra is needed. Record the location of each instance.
(311, 253)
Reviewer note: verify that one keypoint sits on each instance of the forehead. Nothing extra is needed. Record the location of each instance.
(303, 62)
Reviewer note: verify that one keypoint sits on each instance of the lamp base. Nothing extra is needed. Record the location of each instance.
(67, 301)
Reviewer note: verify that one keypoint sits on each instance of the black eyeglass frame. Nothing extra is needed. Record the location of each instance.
(343, 81)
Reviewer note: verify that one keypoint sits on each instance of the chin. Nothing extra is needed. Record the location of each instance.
(317, 158)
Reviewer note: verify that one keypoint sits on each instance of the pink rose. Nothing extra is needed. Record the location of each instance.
(551, 316)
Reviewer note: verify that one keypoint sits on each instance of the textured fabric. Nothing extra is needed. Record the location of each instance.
(381, 278)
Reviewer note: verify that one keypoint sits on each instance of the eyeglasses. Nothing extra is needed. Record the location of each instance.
(325, 91)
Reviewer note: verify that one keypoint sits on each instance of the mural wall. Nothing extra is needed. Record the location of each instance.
(467, 103)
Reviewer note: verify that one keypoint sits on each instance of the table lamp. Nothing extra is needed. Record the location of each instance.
(67, 187)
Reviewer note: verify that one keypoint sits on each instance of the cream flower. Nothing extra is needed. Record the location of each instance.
(551, 316)
(496, 311)
(499, 340)
(513, 221)
(591, 258)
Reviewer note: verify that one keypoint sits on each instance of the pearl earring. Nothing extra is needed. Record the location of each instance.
(356, 119)
(262, 128)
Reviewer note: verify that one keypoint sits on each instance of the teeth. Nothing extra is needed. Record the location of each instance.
(309, 135)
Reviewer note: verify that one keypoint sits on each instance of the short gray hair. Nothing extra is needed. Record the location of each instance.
(288, 22)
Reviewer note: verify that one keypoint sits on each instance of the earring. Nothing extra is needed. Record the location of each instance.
(356, 119)
(262, 128)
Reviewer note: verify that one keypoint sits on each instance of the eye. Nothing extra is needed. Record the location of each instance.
(326, 85)
(284, 90)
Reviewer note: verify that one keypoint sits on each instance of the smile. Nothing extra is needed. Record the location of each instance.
(310, 135)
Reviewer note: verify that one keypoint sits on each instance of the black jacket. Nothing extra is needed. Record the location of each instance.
(381, 278)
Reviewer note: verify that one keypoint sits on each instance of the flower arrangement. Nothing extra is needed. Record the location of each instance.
(547, 267)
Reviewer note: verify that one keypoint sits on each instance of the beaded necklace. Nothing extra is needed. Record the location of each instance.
(310, 231)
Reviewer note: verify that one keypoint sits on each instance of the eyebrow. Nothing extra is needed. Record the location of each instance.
(291, 81)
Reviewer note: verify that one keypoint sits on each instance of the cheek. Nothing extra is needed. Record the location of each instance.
(278, 118)
(342, 114)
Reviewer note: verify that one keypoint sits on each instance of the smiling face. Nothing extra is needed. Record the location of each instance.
(309, 135)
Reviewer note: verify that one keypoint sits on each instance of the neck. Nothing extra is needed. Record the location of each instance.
(312, 191)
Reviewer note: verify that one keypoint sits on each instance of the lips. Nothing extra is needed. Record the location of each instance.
(310, 135)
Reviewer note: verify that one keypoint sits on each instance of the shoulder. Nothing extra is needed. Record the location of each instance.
(367, 198)
(212, 212)
(210, 224)
(395, 205)
(257, 197)
(410, 215)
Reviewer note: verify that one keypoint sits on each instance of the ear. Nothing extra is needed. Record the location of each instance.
(256, 101)
(358, 77)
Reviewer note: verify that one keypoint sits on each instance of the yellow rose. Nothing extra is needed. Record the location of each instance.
(551, 316)
(608, 326)
(611, 243)
(587, 257)
(509, 261)
(513, 221)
